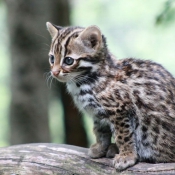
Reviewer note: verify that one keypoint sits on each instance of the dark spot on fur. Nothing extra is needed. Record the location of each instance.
(149, 160)
(155, 78)
(144, 136)
(126, 139)
(127, 126)
(146, 144)
(119, 118)
(126, 63)
(123, 107)
(90, 100)
(120, 142)
(136, 92)
(139, 102)
(110, 112)
(121, 131)
(106, 105)
(171, 95)
(117, 93)
(164, 137)
(127, 67)
(126, 120)
(126, 131)
(144, 128)
(123, 81)
(157, 120)
(122, 124)
(155, 140)
(101, 114)
(149, 93)
(84, 92)
(156, 129)
(147, 120)
(118, 110)
(136, 124)
(161, 98)
(126, 96)
(94, 105)
(167, 126)
(119, 137)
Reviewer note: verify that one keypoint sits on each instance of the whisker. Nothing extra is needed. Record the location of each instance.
(45, 75)
(46, 44)
(49, 79)
(51, 82)
(42, 37)
(44, 49)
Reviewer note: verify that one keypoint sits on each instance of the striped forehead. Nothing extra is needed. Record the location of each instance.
(62, 40)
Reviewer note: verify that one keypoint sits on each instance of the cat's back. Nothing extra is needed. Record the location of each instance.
(151, 87)
(145, 83)
(149, 76)
(145, 70)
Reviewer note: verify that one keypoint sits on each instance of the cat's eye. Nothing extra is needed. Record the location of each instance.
(68, 60)
(52, 59)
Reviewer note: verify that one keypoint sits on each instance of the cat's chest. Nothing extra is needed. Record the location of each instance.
(85, 99)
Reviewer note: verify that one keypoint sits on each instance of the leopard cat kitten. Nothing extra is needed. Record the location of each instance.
(131, 99)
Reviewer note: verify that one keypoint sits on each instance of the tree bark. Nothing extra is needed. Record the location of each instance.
(54, 159)
(29, 100)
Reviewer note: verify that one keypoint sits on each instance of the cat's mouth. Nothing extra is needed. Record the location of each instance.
(66, 77)
(61, 78)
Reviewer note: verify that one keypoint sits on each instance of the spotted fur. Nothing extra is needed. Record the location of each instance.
(132, 99)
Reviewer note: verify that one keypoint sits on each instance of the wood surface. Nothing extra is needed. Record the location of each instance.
(60, 159)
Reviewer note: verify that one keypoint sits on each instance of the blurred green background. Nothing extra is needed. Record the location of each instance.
(140, 29)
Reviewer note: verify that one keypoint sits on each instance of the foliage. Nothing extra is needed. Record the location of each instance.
(167, 16)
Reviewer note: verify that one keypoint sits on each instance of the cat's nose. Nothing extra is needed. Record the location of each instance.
(55, 73)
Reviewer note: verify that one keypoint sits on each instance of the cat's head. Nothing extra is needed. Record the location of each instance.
(74, 51)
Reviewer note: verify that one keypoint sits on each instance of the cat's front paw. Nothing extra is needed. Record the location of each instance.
(112, 151)
(121, 162)
(97, 151)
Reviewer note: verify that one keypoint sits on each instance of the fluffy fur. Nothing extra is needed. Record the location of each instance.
(132, 99)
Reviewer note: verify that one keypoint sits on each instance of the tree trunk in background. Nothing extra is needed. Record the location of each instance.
(29, 100)
(74, 128)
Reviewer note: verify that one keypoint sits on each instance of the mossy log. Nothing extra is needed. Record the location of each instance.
(55, 159)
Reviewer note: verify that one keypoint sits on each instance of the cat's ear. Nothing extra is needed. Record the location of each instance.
(91, 37)
(53, 29)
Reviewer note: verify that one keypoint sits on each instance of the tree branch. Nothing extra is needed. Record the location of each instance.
(55, 159)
